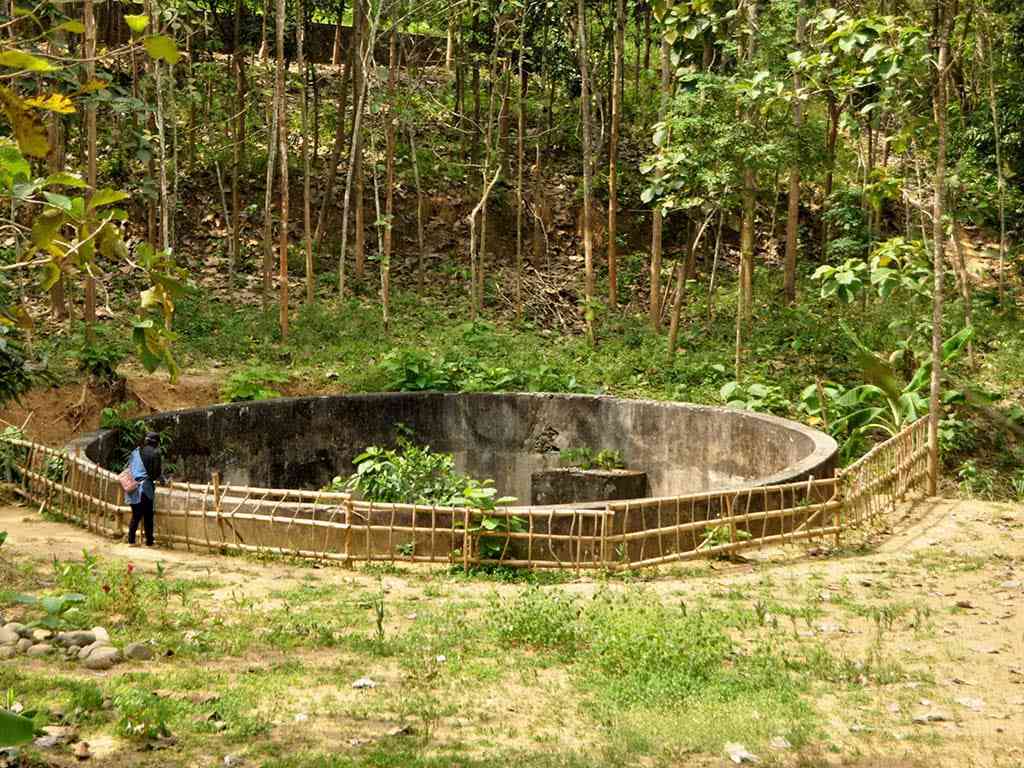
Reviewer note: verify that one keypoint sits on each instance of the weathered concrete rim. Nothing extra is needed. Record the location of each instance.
(820, 458)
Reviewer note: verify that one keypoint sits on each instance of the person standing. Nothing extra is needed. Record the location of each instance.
(146, 466)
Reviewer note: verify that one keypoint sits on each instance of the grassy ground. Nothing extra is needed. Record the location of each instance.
(256, 659)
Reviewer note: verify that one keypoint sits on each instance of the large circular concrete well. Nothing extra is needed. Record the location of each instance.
(305, 442)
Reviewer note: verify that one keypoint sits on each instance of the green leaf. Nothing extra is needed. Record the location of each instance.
(52, 604)
(14, 729)
(72, 26)
(46, 226)
(51, 274)
(872, 52)
(63, 202)
(54, 102)
(13, 166)
(107, 196)
(27, 61)
(64, 179)
(161, 47)
(137, 23)
(28, 129)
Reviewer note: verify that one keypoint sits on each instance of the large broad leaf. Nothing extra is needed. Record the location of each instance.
(64, 179)
(13, 166)
(153, 347)
(46, 226)
(54, 102)
(50, 275)
(137, 23)
(107, 196)
(25, 61)
(161, 47)
(14, 729)
(28, 129)
(111, 243)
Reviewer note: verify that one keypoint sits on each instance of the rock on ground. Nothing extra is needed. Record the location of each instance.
(102, 659)
(79, 638)
(138, 652)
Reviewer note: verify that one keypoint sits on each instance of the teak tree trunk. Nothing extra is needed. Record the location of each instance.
(389, 193)
(89, 44)
(307, 240)
(613, 152)
(280, 97)
(268, 200)
(944, 21)
(339, 143)
(654, 308)
(793, 209)
(359, 75)
(359, 102)
(749, 198)
(238, 139)
(588, 160)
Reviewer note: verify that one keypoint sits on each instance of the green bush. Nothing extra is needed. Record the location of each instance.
(409, 473)
(251, 384)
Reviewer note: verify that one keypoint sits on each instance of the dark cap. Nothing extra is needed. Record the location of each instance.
(152, 438)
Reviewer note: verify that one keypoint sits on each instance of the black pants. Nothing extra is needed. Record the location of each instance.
(142, 511)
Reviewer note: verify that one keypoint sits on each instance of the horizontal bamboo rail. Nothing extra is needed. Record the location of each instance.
(620, 535)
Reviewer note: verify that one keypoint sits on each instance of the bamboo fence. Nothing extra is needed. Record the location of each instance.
(613, 536)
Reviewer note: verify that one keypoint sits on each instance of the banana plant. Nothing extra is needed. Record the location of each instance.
(881, 405)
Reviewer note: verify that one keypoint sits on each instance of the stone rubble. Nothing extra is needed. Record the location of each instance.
(92, 648)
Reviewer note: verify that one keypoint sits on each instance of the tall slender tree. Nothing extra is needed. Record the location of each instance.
(944, 22)
(280, 101)
(307, 234)
(588, 164)
(793, 209)
(618, 56)
(391, 130)
(654, 307)
(89, 41)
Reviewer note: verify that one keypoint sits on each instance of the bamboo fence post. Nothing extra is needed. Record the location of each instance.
(216, 508)
(604, 536)
(465, 539)
(348, 533)
(369, 533)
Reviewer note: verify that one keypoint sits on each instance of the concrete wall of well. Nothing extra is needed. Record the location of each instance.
(304, 442)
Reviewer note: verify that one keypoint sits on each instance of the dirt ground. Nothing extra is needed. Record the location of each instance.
(53, 415)
(960, 563)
